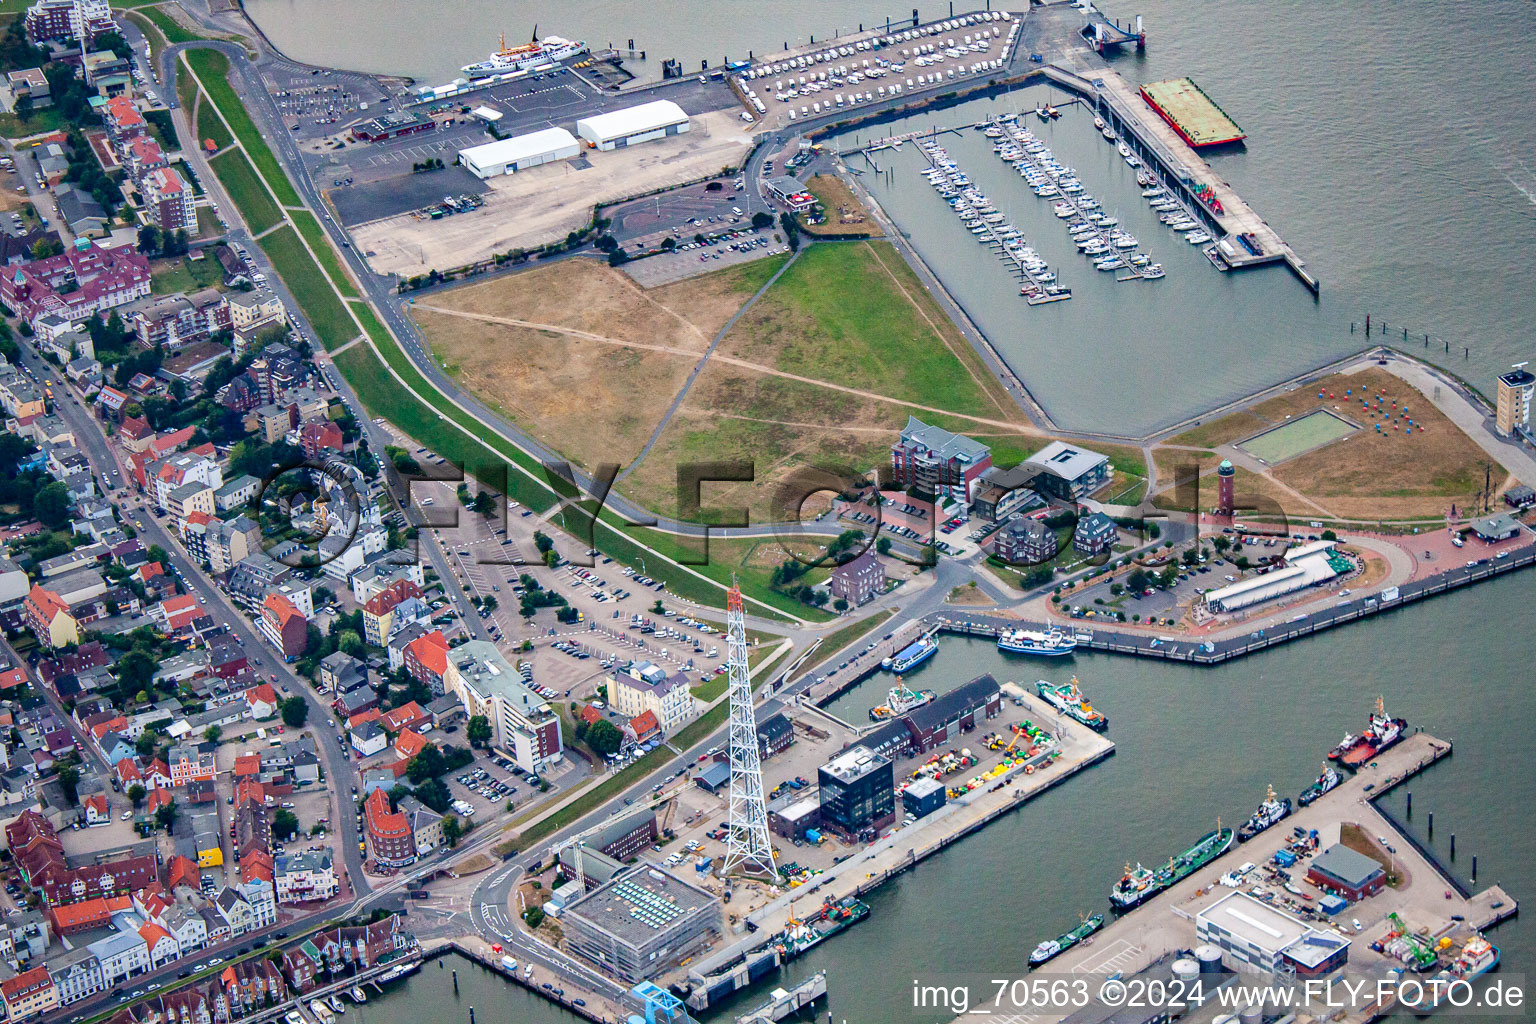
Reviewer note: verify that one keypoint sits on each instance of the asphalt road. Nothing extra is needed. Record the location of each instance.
(493, 892)
(93, 443)
(380, 291)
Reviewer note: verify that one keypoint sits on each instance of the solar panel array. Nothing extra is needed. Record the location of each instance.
(647, 907)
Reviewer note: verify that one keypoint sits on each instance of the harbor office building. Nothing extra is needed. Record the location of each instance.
(858, 793)
(1346, 873)
(1306, 566)
(1514, 401)
(1068, 472)
(940, 721)
(1006, 491)
(641, 923)
(1261, 939)
(858, 580)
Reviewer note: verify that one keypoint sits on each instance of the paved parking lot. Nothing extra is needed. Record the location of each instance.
(815, 80)
(366, 201)
(683, 211)
(570, 659)
(1160, 604)
(490, 785)
(692, 258)
(390, 161)
(526, 105)
(323, 102)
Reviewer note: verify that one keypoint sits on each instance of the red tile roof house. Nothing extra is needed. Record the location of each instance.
(645, 727)
(123, 118)
(135, 433)
(79, 917)
(406, 716)
(389, 832)
(175, 613)
(319, 436)
(247, 766)
(28, 994)
(97, 811)
(409, 744)
(182, 871)
(256, 864)
(426, 659)
(284, 626)
(263, 700)
(370, 715)
(128, 773)
(82, 280)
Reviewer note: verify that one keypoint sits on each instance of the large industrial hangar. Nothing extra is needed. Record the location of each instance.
(519, 153)
(633, 125)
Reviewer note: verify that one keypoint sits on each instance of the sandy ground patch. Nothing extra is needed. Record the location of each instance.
(591, 401)
(472, 865)
(545, 203)
(845, 214)
(710, 300)
(1228, 428)
(582, 295)
(1395, 472)
(968, 596)
(787, 430)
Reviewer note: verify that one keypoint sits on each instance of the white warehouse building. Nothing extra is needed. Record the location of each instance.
(519, 152)
(1305, 566)
(633, 125)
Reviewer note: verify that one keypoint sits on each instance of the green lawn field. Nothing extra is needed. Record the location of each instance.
(326, 313)
(246, 190)
(212, 69)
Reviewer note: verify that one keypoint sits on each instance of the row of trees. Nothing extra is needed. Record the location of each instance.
(169, 244)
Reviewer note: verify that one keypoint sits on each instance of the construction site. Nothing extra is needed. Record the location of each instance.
(997, 766)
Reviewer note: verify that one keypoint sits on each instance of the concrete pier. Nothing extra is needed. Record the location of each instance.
(1182, 169)
(1420, 893)
(782, 1003)
(1097, 636)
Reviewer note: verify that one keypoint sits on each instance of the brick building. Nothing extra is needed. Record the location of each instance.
(859, 579)
(83, 280)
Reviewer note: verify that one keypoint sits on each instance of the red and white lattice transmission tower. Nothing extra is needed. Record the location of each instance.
(748, 849)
